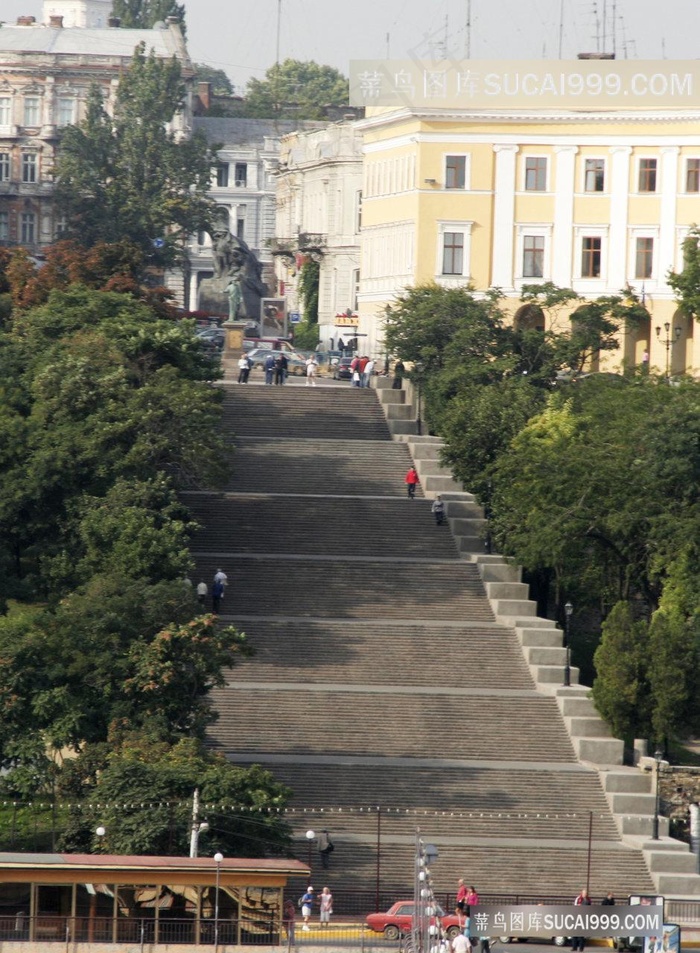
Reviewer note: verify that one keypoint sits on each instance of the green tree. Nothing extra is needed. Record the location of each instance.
(621, 689)
(673, 676)
(296, 90)
(244, 807)
(686, 283)
(128, 177)
(143, 14)
(221, 85)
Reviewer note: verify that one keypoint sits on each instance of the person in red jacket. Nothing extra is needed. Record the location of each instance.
(411, 482)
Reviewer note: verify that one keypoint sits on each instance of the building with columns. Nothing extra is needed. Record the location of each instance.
(591, 199)
(319, 213)
(46, 71)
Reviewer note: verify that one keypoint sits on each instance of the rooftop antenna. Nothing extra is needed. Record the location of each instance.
(388, 46)
(604, 32)
(468, 32)
(279, 32)
(447, 36)
(663, 47)
(561, 26)
(614, 28)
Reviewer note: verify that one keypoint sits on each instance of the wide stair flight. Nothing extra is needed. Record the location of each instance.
(383, 692)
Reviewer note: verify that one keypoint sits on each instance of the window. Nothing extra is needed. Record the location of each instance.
(65, 112)
(535, 174)
(4, 166)
(27, 228)
(453, 253)
(692, 175)
(455, 172)
(29, 166)
(590, 256)
(358, 211)
(595, 175)
(201, 237)
(32, 110)
(222, 175)
(647, 175)
(5, 110)
(61, 226)
(355, 288)
(240, 228)
(533, 256)
(241, 174)
(4, 226)
(644, 258)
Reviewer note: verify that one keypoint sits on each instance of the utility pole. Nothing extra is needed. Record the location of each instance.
(196, 828)
(468, 32)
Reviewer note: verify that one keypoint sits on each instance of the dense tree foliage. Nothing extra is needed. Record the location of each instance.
(296, 89)
(221, 85)
(106, 410)
(591, 482)
(127, 177)
(143, 14)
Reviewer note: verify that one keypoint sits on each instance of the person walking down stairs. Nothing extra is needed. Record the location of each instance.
(438, 511)
(412, 482)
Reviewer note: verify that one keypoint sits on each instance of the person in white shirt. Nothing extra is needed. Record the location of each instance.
(220, 576)
(367, 373)
(311, 368)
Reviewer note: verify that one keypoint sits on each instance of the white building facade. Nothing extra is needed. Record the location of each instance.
(319, 215)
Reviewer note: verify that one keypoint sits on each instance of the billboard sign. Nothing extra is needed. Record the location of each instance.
(527, 84)
(273, 318)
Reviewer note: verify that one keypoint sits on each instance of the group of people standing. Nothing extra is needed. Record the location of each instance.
(307, 902)
(362, 369)
(218, 587)
(276, 367)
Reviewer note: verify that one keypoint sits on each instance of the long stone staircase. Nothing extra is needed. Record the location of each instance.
(393, 687)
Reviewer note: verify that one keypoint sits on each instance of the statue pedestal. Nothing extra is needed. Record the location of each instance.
(233, 347)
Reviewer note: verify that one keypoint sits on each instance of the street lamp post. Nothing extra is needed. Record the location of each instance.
(658, 758)
(668, 341)
(217, 859)
(310, 835)
(568, 612)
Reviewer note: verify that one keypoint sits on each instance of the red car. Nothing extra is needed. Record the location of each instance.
(397, 920)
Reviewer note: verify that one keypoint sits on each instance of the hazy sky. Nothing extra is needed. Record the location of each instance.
(239, 36)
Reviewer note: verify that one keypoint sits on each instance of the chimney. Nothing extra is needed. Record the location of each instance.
(56, 22)
(204, 93)
(26, 21)
(114, 23)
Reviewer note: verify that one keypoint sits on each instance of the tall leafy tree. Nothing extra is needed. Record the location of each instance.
(128, 177)
(296, 89)
(621, 688)
(143, 14)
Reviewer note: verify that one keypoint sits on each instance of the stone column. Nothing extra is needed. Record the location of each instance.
(503, 217)
(617, 250)
(563, 235)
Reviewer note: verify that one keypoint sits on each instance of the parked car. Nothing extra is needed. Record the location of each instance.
(397, 920)
(341, 370)
(214, 336)
(295, 362)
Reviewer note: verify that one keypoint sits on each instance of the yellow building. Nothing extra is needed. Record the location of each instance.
(583, 174)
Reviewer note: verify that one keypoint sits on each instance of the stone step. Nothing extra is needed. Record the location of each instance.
(626, 781)
(339, 467)
(375, 724)
(341, 588)
(492, 802)
(250, 523)
(372, 653)
(496, 869)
